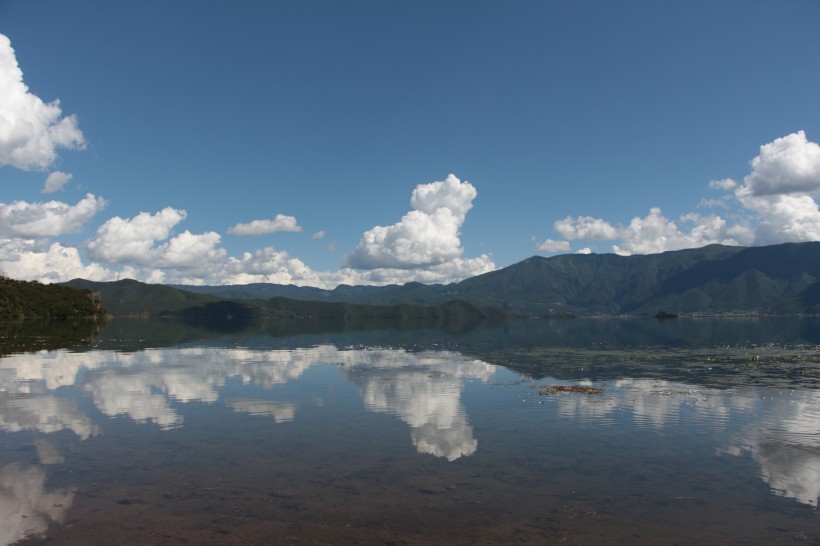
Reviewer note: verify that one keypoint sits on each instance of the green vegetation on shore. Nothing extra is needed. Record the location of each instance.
(31, 299)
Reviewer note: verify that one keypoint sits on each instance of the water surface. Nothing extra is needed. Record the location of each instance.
(694, 432)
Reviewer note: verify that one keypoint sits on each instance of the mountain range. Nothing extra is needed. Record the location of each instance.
(715, 279)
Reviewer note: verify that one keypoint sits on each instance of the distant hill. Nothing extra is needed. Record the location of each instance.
(713, 279)
(30, 299)
(129, 298)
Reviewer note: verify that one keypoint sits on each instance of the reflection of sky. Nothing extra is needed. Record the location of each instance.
(783, 435)
(423, 389)
(26, 508)
(777, 429)
(786, 444)
(282, 412)
(44, 413)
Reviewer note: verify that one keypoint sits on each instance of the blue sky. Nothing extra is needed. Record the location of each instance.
(313, 142)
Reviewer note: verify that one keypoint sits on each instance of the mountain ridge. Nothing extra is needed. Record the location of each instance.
(714, 279)
(711, 279)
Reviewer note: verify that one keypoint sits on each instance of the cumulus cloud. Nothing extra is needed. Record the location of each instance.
(56, 181)
(31, 131)
(585, 227)
(553, 246)
(57, 263)
(774, 204)
(318, 235)
(426, 236)
(452, 271)
(780, 190)
(656, 233)
(790, 164)
(261, 227)
(23, 219)
(132, 240)
(269, 265)
(784, 218)
(135, 241)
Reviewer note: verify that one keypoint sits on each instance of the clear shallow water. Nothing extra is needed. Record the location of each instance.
(704, 432)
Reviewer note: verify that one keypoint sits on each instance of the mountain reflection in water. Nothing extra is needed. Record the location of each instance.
(295, 408)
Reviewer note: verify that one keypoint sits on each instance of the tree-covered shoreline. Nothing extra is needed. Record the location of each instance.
(31, 299)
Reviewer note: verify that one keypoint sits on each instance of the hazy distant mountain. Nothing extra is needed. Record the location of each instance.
(713, 279)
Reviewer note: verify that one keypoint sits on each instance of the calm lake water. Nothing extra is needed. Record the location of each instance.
(632, 431)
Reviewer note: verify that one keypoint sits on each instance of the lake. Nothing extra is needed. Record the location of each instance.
(611, 431)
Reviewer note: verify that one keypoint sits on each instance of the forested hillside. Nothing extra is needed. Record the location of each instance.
(29, 299)
(715, 279)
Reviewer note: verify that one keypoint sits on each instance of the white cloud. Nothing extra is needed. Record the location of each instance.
(269, 265)
(585, 227)
(784, 218)
(188, 250)
(725, 184)
(31, 131)
(423, 247)
(135, 241)
(656, 233)
(261, 227)
(553, 246)
(585, 250)
(774, 204)
(790, 164)
(451, 194)
(119, 240)
(50, 219)
(318, 235)
(780, 190)
(426, 236)
(58, 263)
(452, 271)
(56, 181)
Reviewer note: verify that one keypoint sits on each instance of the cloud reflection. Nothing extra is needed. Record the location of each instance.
(45, 414)
(26, 508)
(787, 446)
(282, 412)
(421, 388)
(783, 438)
(424, 390)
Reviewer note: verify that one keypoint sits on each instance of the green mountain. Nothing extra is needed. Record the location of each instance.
(129, 298)
(30, 299)
(713, 279)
